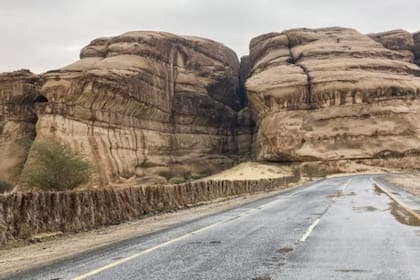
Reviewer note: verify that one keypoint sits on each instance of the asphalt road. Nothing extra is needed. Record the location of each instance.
(340, 228)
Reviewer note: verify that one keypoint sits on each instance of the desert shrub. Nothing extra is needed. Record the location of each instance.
(196, 177)
(313, 170)
(54, 166)
(5, 187)
(178, 181)
(296, 172)
(166, 174)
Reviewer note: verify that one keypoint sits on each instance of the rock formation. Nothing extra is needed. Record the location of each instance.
(19, 91)
(147, 106)
(334, 94)
(157, 107)
(416, 49)
(398, 40)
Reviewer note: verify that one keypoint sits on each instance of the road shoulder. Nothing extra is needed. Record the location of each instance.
(399, 194)
(14, 260)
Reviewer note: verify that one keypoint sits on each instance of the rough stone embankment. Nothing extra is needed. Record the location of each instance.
(23, 215)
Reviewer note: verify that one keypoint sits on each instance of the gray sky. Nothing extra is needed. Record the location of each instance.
(47, 34)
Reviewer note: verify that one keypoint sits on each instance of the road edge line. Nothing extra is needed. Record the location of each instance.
(397, 200)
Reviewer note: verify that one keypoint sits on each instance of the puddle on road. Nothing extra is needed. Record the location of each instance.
(285, 250)
(367, 209)
(402, 216)
(378, 191)
(262, 278)
(205, 243)
(399, 213)
(351, 270)
(340, 194)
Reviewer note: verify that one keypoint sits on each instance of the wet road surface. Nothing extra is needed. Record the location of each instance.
(340, 228)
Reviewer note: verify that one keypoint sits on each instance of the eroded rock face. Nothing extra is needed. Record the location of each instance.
(333, 94)
(416, 49)
(398, 40)
(19, 91)
(145, 104)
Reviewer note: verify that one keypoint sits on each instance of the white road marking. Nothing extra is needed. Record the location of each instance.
(347, 184)
(113, 264)
(121, 261)
(315, 223)
(309, 231)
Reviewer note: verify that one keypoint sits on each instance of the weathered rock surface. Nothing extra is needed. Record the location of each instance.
(19, 91)
(398, 40)
(157, 107)
(334, 94)
(147, 103)
(142, 106)
(416, 49)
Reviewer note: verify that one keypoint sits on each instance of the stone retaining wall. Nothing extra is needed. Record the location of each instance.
(23, 215)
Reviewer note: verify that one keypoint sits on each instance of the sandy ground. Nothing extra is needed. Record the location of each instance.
(251, 171)
(407, 181)
(16, 259)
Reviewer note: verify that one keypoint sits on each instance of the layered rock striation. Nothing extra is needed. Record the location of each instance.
(147, 103)
(146, 106)
(334, 94)
(156, 107)
(19, 94)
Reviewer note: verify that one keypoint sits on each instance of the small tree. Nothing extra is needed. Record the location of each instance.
(5, 187)
(54, 166)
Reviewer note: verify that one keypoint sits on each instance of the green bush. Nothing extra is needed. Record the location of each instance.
(166, 174)
(313, 170)
(5, 187)
(54, 166)
(296, 172)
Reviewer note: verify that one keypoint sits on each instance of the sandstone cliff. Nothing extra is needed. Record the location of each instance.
(157, 107)
(334, 94)
(142, 106)
(147, 104)
(19, 91)
(398, 40)
(416, 49)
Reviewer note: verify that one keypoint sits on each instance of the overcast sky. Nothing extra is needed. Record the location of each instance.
(46, 34)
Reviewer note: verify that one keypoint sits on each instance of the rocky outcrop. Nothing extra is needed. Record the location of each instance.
(19, 92)
(145, 106)
(157, 107)
(416, 49)
(142, 106)
(334, 94)
(398, 40)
